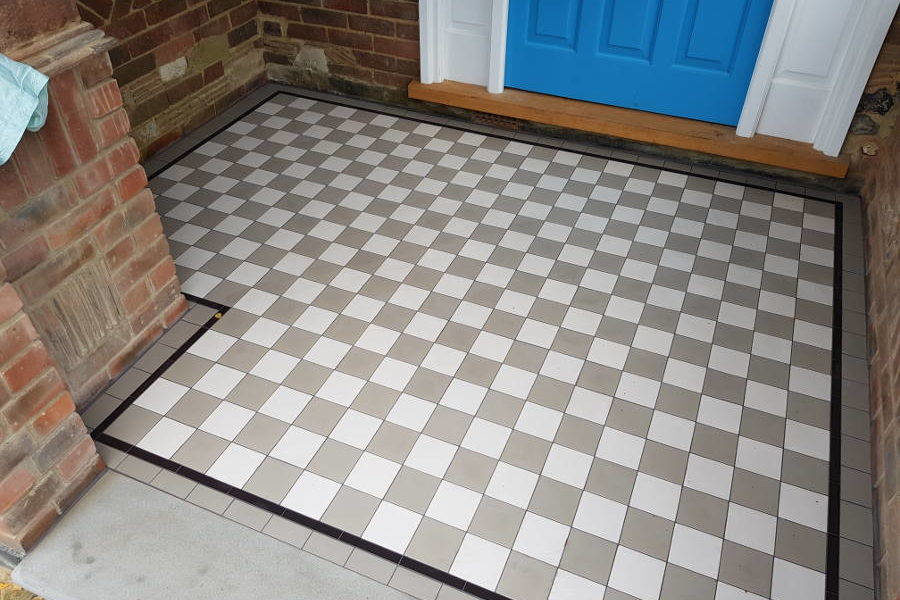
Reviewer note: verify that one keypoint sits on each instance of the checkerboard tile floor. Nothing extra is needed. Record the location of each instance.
(549, 374)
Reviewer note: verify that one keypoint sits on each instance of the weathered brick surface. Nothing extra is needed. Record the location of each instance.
(178, 62)
(368, 48)
(46, 454)
(882, 211)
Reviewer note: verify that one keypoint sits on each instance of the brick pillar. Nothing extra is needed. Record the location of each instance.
(86, 278)
(46, 454)
(80, 238)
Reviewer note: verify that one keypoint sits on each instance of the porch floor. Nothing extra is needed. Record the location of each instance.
(523, 371)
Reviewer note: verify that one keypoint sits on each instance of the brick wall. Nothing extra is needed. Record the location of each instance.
(367, 48)
(46, 454)
(80, 239)
(178, 62)
(882, 208)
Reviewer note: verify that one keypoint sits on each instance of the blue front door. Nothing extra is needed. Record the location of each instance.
(689, 58)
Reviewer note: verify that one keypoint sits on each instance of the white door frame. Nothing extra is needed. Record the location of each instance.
(841, 92)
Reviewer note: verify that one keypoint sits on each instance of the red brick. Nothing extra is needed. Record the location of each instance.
(14, 486)
(53, 414)
(25, 258)
(397, 47)
(82, 454)
(135, 297)
(174, 49)
(357, 6)
(91, 178)
(95, 69)
(56, 141)
(219, 6)
(33, 217)
(395, 9)
(110, 230)
(318, 16)
(104, 99)
(241, 34)
(162, 274)
(80, 221)
(131, 183)
(352, 72)
(280, 9)
(371, 25)
(80, 481)
(217, 26)
(213, 72)
(127, 26)
(376, 61)
(307, 32)
(148, 231)
(23, 370)
(55, 446)
(139, 208)
(15, 338)
(392, 80)
(113, 128)
(119, 254)
(10, 303)
(66, 91)
(407, 31)
(350, 39)
(12, 191)
(30, 158)
(242, 14)
(124, 156)
(52, 272)
(162, 10)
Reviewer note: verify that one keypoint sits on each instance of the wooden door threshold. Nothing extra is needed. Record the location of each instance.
(651, 128)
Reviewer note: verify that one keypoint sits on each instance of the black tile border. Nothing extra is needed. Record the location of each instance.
(832, 572)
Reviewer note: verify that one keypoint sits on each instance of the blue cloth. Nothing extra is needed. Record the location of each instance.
(23, 103)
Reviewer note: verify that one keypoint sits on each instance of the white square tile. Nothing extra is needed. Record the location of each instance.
(165, 438)
(793, 582)
(161, 395)
(708, 476)
(341, 388)
(311, 494)
(443, 359)
(463, 396)
(638, 389)
(620, 447)
(392, 526)
(212, 345)
(393, 373)
(219, 381)
(751, 528)
(568, 586)
(671, 430)
(247, 274)
(541, 538)
(315, 319)
(410, 412)
(431, 455)
(537, 333)
(235, 465)
(539, 421)
(480, 561)
(653, 340)
(372, 474)
(806, 439)
(684, 375)
(275, 366)
(377, 339)
(512, 485)
(285, 404)
(600, 516)
(758, 457)
(265, 332)
(255, 301)
(803, 506)
(486, 437)
(607, 353)
(454, 505)
(297, 446)
(567, 465)
(471, 314)
(513, 381)
(589, 405)
(516, 303)
(695, 550)
(492, 346)
(766, 398)
(425, 326)
(226, 420)
(636, 574)
(655, 496)
(562, 367)
(327, 352)
(356, 429)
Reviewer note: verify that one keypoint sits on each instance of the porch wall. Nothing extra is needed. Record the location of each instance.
(882, 212)
(178, 63)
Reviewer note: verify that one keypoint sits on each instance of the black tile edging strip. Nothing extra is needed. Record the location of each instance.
(832, 573)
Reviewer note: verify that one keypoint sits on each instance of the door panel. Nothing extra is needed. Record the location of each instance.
(690, 58)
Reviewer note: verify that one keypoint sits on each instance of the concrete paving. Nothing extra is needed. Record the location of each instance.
(126, 540)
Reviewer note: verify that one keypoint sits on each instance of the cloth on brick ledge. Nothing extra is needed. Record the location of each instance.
(23, 103)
